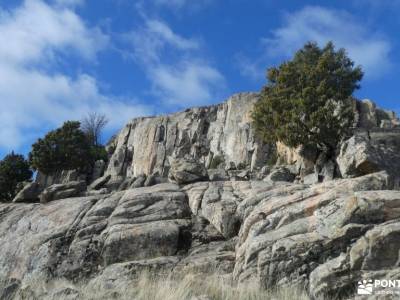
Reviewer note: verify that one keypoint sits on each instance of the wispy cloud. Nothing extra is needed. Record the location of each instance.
(34, 98)
(178, 72)
(313, 23)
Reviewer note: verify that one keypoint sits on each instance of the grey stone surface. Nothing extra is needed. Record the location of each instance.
(98, 169)
(322, 236)
(217, 175)
(281, 174)
(145, 145)
(139, 181)
(370, 151)
(99, 182)
(29, 193)
(62, 191)
(187, 170)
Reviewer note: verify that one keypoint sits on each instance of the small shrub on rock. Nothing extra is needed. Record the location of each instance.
(14, 169)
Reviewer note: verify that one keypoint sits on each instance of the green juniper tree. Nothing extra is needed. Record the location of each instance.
(308, 100)
(14, 169)
(65, 148)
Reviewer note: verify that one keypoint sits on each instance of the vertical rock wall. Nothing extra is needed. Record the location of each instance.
(145, 145)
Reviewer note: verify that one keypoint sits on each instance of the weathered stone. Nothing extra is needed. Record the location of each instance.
(367, 114)
(217, 202)
(102, 191)
(217, 175)
(141, 241)
(139, 181)
(147, 223)
(62, 191)
(29, 193)
(99, 182)
(369, 152)
(152, 179)
(115, 183)
(187, 170)
(281, 174)
(98, 169)
(312, 178)
(283, 238)
(145, 145)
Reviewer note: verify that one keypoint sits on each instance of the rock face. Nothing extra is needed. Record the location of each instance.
(223, 131)
(370, 151)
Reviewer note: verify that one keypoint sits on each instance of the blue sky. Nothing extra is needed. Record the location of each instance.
(61, 59)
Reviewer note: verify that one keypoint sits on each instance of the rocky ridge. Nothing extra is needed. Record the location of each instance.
(197, 192)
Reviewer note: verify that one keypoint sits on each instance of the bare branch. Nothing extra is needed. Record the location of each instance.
(92, 125)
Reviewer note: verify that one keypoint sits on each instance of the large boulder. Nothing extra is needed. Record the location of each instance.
(281, 174)
(29, 193)
(370, 151)
(187, 170)
(99, 182)
(62, 191)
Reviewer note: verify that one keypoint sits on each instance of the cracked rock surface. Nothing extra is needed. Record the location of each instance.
(323, 236)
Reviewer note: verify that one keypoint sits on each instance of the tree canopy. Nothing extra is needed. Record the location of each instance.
(308, 100)
(65, 148)
(14, 168)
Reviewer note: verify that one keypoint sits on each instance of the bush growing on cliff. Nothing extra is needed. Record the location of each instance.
(65, 148)
(307, 100)
(14, 169)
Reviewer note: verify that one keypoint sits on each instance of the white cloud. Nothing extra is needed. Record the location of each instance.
(33, 98)
(36, 31)
(178, 72)
(188, 83)
(321, 25)
(313, 23)
(151, 41)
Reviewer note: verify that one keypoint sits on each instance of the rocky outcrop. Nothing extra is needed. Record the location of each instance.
(187, 170)
(370, 151)
(225, 208)
(372, 147)
(29, 193)
(220, 132)
(369, 116)
(281, 174)
(62, 191)
(289, 237)
(325, 236)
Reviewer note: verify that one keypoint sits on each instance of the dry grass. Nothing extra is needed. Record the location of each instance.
(195, 287)
(148, 286)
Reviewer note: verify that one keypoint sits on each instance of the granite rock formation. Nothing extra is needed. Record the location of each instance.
(195, 191)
